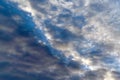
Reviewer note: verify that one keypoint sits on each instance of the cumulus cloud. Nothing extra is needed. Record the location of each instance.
(85, 32)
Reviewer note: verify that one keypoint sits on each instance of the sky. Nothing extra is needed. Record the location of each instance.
(82, 36)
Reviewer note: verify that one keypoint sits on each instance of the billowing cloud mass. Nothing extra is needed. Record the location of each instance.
(84, 35)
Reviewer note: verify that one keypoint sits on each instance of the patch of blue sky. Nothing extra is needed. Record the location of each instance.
(98, 7)
(58, 32)
(24, 21)
(79, 21)
(111, 62)
(65, 16)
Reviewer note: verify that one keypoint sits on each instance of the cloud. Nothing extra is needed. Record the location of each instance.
(92, 26)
